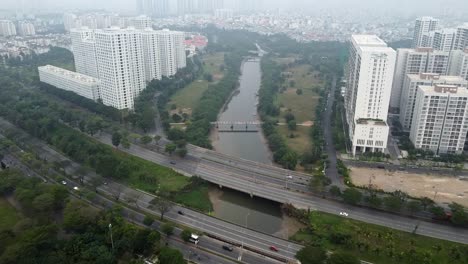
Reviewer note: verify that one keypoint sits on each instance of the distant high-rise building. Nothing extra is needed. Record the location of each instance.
(161, 8)
(69, 21)
(423, 26)
(140, 22)
(461, 39)
(172, 51)
(444, 40)
(369, 80)
(459, 63)
(410, 87)
(224, 14)
(120, 63)
(84, 51)
(7, 28)
(440, 119)
(416, 61)
(26, 28)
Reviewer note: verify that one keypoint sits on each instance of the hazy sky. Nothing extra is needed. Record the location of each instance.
(406, 6)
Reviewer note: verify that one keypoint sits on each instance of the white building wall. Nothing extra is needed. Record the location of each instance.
(370, 75)
(410, 88)
(440, 122)
(7, 28)
(416, 61)
(80, 84)
(423, 25)
(84, 51)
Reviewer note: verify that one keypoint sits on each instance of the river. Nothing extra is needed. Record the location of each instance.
(236, 207)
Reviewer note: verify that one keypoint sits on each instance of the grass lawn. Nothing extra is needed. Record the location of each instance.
(300, 143)
(196, 198)
(168, 179)
(8, 215)
(379, 244)
(302, 106)
(187, 98)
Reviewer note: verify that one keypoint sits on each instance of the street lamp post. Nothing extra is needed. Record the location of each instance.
(245, 234)
(112, 239)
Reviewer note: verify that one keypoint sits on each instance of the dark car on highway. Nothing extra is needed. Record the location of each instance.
(228, 247)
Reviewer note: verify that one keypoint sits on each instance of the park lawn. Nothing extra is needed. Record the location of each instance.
(8, 215)
(197, 198)
(379, 244)
(168, 179)
(304, 77)
(301, 142)
(187, 98)
(301, 106)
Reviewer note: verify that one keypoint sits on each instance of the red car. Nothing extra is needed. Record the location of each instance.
(273, 248)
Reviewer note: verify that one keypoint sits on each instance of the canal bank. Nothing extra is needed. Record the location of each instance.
(236, 207)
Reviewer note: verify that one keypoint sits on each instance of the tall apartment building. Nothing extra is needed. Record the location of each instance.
(410, 88)
(120, 63)
(80, 84)
(440, 122)
(140, 22)
(7, 28)
(444, 40)
(70, 21)
(153, 8)
(423, 25)
(459, 63)
(84, 51)
(461, 39)
(369, 81)
(172, 51)
(152, 54)
(416, 61)
(26, 28)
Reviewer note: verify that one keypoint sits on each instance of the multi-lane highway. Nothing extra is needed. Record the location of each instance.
(235, 174)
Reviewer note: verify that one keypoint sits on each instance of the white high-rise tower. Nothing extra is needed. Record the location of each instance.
(423, 26)
(370, 74)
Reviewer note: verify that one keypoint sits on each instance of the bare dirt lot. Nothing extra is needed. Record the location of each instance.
(444, 188)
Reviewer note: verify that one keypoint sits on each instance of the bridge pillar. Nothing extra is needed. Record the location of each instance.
(251, 195)
(220, 186)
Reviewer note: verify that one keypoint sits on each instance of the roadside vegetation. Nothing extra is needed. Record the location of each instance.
(64, 126)
(376, 244)
(58, 228)
(185, 100)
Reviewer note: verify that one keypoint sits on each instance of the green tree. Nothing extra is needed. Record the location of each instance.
(299, 92)
(167, 229)
(459, 215)
(414, 206)
(162, 205)
(311, 255)
(343, 258)
(393, 203)
(374, 200)
(352, 196)
(289, 160)
(335, 191)
(438, 212)
(185, 235)
(116, 138)
(171, 256)
(181, 152)
(292, 125)
(146, 139)
(148, 220)
(170, 148)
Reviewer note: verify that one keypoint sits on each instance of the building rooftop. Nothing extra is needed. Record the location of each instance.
(85, 79)
(437, 77)
(439, 89)
(368, 41)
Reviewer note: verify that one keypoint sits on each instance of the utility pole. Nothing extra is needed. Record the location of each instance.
(112, 240)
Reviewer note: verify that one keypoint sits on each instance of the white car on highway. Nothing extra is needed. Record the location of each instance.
(343, 214)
